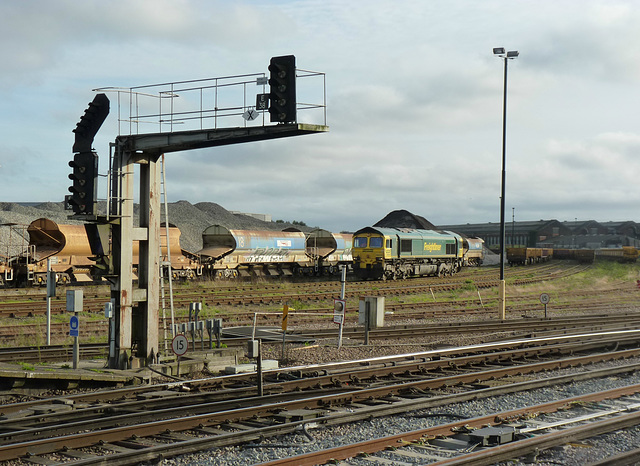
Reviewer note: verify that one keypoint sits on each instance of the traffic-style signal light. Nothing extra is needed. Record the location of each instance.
(282, 89)
(90, 123)
(83, 198)
(84, 189)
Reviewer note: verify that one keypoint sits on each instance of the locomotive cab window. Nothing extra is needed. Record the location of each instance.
(375, 242)
(405, 245)
(388, 243)
(360, 242)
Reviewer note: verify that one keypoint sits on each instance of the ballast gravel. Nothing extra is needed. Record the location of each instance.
(578, 454)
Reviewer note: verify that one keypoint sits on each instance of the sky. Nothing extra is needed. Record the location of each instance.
(414, 103)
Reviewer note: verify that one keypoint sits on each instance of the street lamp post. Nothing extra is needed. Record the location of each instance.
(500, 52)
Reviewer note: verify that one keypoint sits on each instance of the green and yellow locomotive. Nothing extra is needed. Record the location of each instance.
(394, 253)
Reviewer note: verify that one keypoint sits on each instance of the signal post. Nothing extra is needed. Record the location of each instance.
(136, 305)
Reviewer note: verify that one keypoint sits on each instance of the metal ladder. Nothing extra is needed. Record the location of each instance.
(165, 266)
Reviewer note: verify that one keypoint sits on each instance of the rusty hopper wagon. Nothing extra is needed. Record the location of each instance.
(67, 247)
(69, 251)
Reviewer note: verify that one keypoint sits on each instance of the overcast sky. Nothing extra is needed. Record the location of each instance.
(414, 103)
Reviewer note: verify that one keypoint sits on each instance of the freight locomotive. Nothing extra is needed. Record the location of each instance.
(397, 253)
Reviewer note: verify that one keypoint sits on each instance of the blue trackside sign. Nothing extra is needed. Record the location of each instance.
(74, 325)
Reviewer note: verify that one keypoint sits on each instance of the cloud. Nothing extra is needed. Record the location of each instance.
(414, 102)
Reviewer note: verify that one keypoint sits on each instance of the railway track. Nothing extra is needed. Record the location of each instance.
(127, 426)
(500, 436)
(423, 299)
(31, 302)
(490, 330)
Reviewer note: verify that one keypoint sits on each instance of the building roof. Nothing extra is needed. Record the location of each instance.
(489, 228)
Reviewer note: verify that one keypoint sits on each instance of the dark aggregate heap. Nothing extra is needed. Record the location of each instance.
(405, 219)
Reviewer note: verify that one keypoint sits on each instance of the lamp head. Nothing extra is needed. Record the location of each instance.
(498, 50)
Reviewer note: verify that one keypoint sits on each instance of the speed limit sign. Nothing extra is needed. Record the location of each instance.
(180, 344)
(544, 298)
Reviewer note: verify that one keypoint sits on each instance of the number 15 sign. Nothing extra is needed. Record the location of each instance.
(180, 344)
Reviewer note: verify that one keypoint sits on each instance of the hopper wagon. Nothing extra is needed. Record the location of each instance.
(69, 250)
(229, 253)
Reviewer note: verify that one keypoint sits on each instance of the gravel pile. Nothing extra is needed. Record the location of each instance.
(191, 219)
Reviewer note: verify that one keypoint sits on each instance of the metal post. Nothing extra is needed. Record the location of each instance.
(76, 348)
(343, 279)
(259, 369)
(193, 334)
(367, 308)
(210, 330)
(502, 305)
(217, 323)
(513, 227)
(284, 340)
(201, 328)
(112, 338)
(506, 56)
(285, 320)
(49, 287)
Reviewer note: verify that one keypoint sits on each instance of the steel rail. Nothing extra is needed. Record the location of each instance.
(485, 457)
(197, 418)
(347, 372)
(155, 452)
